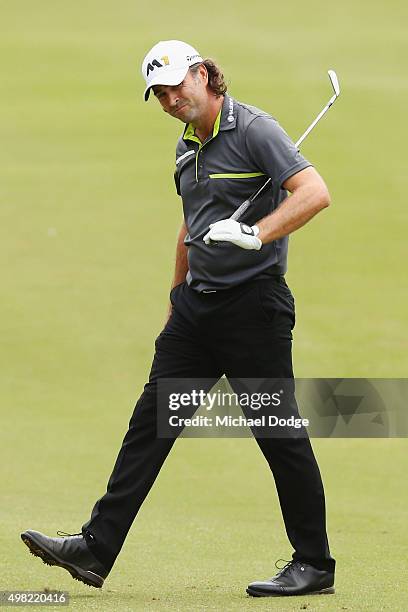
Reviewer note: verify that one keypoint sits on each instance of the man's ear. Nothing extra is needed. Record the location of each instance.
(203, 73)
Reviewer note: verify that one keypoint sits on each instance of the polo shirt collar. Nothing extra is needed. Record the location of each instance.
(189, 132)
(228, 114)
(226, 120)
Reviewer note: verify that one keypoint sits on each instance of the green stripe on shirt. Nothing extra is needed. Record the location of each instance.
(241, 175)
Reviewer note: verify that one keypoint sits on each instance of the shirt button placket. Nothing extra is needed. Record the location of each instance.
(200, 166)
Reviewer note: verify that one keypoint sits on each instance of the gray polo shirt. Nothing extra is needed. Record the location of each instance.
(246, 147)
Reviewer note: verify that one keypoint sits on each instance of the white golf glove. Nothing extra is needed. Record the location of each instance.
(229, 230)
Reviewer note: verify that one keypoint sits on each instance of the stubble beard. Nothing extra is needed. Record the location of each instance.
(190, 113)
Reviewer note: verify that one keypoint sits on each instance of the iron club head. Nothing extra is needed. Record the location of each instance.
(335, 82)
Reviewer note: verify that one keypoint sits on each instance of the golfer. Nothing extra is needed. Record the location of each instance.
(231, 313)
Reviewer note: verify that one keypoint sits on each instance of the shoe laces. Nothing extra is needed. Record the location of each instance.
(68, 535)
(287, 568)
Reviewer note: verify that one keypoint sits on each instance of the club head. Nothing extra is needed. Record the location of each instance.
(334, 81)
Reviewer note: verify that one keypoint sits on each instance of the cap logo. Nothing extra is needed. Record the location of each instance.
(190, 58)
(155, 63)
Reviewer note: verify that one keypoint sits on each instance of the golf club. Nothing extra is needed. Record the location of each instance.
(336, 87)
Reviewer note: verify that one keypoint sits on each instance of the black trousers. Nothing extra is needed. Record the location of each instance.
(241, 332)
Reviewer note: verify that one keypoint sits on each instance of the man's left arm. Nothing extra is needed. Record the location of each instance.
(272, 151)
(309, 195)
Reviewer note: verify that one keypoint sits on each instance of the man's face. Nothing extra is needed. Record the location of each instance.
(188, 100)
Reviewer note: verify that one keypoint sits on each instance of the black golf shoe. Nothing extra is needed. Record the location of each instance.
(296, 578)
(70, 552)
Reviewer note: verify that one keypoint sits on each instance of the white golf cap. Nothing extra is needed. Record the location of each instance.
(167, 63)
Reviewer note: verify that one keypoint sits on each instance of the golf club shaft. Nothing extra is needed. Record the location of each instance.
(315, 122)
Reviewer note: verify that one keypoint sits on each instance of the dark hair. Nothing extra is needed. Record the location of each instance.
(216, 80)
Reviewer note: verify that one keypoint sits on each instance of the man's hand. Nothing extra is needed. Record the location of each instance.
(229, 230)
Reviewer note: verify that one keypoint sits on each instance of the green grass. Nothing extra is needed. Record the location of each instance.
(85, 168)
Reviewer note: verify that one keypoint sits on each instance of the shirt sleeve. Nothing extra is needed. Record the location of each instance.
(179, 148)
(273, 151)
(177, 181)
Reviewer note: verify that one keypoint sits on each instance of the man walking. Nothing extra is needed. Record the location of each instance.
(231, 313)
